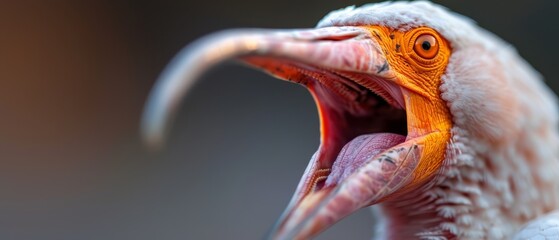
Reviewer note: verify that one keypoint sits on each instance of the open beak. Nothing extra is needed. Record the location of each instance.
(365, 156)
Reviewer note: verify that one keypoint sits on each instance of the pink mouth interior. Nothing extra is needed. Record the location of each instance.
(358, 151)
(362, 116)
(355, 129)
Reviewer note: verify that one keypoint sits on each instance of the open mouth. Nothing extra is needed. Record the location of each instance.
(361, 117)
(356, 111)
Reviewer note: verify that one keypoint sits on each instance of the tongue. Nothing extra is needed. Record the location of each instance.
(358, 151)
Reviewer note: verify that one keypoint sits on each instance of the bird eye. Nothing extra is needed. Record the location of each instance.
(426, 46)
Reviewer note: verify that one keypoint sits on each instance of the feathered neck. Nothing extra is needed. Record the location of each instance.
(502, 162)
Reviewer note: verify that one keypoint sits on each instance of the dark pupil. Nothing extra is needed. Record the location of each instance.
(426, 45)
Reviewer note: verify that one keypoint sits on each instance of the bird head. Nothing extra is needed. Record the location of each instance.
(398, 86)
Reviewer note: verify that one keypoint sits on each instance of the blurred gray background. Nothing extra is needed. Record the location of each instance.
(74, 76)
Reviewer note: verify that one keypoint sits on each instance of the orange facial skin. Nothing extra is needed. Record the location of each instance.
(419, 67)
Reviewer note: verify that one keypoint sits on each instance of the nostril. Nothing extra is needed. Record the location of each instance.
(336, 38)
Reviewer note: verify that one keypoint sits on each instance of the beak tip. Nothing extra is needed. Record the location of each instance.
(153, 143)
(152, 134)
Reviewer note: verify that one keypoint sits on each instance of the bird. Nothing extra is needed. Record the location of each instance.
(435, 123)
